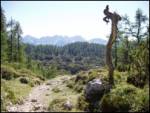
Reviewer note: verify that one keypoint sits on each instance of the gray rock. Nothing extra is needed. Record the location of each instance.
(48, 83)
(94, 90)
(36, 108)
(34, 100)
(12, 109)
(68, 105)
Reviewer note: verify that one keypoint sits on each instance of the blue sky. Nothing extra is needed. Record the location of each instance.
(68, 18)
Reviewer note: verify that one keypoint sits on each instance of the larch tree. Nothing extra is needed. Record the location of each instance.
(10, 26)
(140, 19)
(18, 32)
(4, 45)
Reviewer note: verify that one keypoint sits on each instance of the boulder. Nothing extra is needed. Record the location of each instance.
(68, 105)
(94, 90)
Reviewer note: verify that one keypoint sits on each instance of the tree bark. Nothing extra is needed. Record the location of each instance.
(116, 57)
(11, 43)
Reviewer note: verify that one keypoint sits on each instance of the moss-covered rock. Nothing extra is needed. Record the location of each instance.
(94, 90)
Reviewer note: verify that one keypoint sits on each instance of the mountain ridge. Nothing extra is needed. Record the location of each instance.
(59, 40)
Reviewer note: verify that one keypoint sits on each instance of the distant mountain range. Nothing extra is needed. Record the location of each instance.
(59, 40)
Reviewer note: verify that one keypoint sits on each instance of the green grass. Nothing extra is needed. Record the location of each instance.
(12, 89)
(56, 100)
(20, 90)
(56, 90)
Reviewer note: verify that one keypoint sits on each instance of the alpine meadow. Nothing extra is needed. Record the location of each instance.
(75, 56)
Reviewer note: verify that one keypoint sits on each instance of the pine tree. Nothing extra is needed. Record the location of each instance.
(4, 45)
(18, 32)
(137, 26)
(10, 26)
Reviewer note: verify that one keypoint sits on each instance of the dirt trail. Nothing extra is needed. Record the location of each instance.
(37, 100)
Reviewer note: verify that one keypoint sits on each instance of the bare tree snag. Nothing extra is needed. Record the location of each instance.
(114, 17)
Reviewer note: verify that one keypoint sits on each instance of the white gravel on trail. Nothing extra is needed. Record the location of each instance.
(36, 101)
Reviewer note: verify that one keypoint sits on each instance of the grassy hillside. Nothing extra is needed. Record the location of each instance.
(16, 84)
(122, 97)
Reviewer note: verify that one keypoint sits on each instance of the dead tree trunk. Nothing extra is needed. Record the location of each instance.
(114, 17)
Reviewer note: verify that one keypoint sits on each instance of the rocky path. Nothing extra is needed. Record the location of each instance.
(37, 100)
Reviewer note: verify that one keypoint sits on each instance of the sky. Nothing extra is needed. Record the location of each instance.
(68, 18)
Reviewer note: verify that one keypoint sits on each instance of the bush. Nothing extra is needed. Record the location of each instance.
(81, 77)
(8, 72)
(57, 105)
(24, 80)
(26, 72)
(56, 90)
(120, 76)
(125, 97)
(41, 77)
(31, 84)
(70, 84)
(117, 104)
(122, 67)
(82, 104)
(137, 79)
(92, 75)
(6, 75)
(37, 82)
(78, 88)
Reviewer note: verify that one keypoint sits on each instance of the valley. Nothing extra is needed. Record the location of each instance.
(107, 71)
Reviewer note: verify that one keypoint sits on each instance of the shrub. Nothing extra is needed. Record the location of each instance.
(57, 105)
(78, 88)
(6, 75)
(26, 72)
(82, 104)
(92, 75)
(41, 77)
(81, 79)
(8, 72)
(70, 84)
(37, 82)
(122, 67)
(120, 76)
(98, 73)
(31, 84)
(24, 80)
(56, 90)
(116, 104)
(137, 79)
(125, 97)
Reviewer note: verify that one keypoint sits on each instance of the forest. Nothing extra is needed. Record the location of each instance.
(26, 66)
